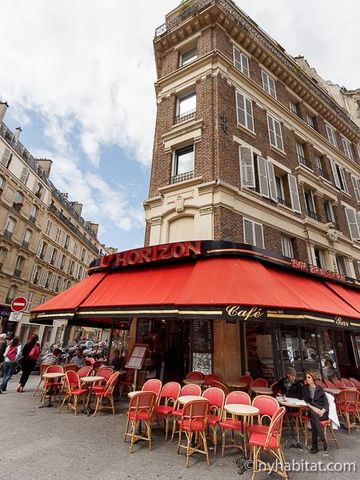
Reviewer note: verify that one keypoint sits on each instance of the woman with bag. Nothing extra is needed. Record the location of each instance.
(30, 354)
(11, 356)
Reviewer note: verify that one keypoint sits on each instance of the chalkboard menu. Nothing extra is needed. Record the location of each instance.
(202, 336)
(137, 356)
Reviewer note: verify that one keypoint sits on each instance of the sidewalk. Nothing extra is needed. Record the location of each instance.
(41, 444)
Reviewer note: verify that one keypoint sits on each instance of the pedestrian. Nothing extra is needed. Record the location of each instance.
(11, 356)
(30, 354)
(3, 345)
(318, 405)
(79, 359)
(53, 358)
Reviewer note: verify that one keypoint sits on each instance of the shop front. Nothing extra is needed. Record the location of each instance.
(218, 307)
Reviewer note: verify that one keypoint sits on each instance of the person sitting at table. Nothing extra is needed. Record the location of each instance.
(78, 359)
(116, 361)
(318, 404)
(52, 358)
(329, 370)
(289, 385)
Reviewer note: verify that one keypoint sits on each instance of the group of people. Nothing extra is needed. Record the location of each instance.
(12, 355)
(315, 398)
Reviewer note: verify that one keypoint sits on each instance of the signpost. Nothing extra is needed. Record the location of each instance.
(18, 304)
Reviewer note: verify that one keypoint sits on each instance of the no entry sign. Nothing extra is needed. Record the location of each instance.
(18, 304)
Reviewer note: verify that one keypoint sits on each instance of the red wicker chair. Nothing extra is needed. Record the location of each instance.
(141, 409)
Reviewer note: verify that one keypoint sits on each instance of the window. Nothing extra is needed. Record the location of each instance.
(48, 280)
(353, 219)
(83, 254)
(186, 107)
(43, 250)
(356, 185)
(300, 153)
(63, 259)
(329, 211)
(24, 175)
(347, 148)
(319, 166)
(293, 107)
(279, 180)
(53, 256)
(339, 176)
(341, 264)
(10, 227)
(241, 61)
(58, 284)
(330, 132)
(244, 111)
(310, 204)
(3, 253)
(2, 183)
(311, 121)
(58, 235)
(6, 158)
(29, 302)
(66, 241)
(18, 201)
(39, 189)
(48, 227)
(19, 266)
(319, 257)
(33, 213)
(287, 247)
(275, 134)
(71, 267)
(253, 233)
(27, 237)
(268, 84)
(11, 294)
(183, 164)
(188, 56)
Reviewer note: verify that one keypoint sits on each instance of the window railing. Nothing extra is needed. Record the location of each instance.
(17, 206)
(313, 214)
(32, 219)
(182, 177)
(321, 172)
(8, 234)
(17, 273)
(185, 117)
(280, 200)
(25, 244)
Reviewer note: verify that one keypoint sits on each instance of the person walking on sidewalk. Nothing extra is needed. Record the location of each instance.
(11, 356)
(30, 354)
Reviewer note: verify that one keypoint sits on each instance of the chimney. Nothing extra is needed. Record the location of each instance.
(3, 107)
(77, 207)
(95, 228)
(45, 164)
(18, 131)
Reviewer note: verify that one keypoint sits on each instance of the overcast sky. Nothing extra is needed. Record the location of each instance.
(78, 76)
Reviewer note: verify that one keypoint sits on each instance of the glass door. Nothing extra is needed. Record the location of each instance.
(327, 354)
(290, 344)
(309, 350)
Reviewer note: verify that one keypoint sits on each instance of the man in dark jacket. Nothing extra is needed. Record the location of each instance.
(288, 385)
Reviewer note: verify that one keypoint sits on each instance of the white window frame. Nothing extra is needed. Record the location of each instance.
(347, 148)
(293, 107)
(241, 61)
(331, 135)
(310, 121)
(254, 226)
(300, 153)
(273, 124)
(247, 166)
(268, 83)
(244, 104)
(329, 211)
(339, 176)
(175, 162)
(322, 258)
(287, 248)
(182, 98)
(191, 59)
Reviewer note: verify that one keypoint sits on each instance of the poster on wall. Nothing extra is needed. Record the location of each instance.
(202, 346)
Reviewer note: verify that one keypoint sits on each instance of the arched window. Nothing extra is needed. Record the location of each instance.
(18, 201)
(27, 238)
(19, 266)
(10, 227)
(11, 294)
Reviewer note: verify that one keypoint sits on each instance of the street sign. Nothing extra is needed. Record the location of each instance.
(18, 304)
(15, 317)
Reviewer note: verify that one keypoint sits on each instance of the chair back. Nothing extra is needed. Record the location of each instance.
(110, 384)
(97, 364)
(43, 368)
(347, 383)
(54, 369)
(321, 384)
(152, 385)
(194, 412)
(338, 383)
(241, 398)
(348, 398)
(267, 406)
(195, 376)
(89, 362)
(70, 366)
(72, 380)
(105, 372)
(222, 387)
(275, 426)
(142, 402)
(355, 382)
(260, 382)
(170, 392)
(216, 398)
(246, 379)
(84, 371)
(210, 379)
(329, 384)
(191, 389)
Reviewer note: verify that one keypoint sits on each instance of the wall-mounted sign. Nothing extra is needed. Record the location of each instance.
(156, 253)
(245, 313)
(304, 267)
(341, 323)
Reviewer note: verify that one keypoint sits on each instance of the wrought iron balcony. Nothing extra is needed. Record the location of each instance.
(7, 234)
(184, 118)
(313, 214)
(17, 273)
(182, 177)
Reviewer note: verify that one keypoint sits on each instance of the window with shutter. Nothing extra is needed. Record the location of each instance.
(6, 157)
(352, 223)
(259, 235)
(275, 133)
(272, 181)
(343, 179)
(335, 173)
(247, 170)
(263, 176)
(294, 193)
(244, 111)
(248, 231)
(24, 175)
(241, 61)
(356, 185)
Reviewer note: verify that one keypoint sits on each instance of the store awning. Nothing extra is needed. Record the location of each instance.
(349, 295)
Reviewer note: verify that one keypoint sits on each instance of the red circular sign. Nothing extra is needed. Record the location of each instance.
(18, 304)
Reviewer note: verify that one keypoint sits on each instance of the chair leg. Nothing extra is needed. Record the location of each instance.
(38, 385)
(132, 439)
(206, 450)
(333, 435)
(63, 402)
(223, 432)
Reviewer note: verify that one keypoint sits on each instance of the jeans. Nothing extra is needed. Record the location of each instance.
(316, 428)
(9, 368)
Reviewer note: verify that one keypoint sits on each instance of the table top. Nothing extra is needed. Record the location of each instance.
(333, 391)
(122, 372)
(188, 381)
(237, 384)
(188, 398)
(134, 392)
(92, 378)
(262, 390)
(291, 402)
(53, 375)
(240, 409)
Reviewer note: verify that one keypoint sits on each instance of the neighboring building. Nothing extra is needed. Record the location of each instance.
(45, 244)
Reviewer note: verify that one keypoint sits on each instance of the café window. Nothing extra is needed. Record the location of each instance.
(327, 354)
(260, 354)
(183, 164)
(290, 349)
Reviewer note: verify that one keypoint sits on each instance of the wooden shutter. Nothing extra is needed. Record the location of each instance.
(6, 156)
(272, 181)
(294, 193)
(259, 235)
(263, 176)
(241, 113)
(352, 223)
(335, 173)
(247, 167)
(356, 186)
(343, 179)
(248, 231)
(249, 114)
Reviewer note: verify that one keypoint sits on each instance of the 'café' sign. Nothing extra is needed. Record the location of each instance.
(246, 313)
(341, 323)
(156, 253)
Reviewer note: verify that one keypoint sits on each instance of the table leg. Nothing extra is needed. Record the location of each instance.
(49, 403)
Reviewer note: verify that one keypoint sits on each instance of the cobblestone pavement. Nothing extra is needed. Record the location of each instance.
(41, 444)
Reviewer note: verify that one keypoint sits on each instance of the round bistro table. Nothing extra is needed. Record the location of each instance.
(89, 381)
(261, 390)
(240, 410)
(188, 381)
(52, 377)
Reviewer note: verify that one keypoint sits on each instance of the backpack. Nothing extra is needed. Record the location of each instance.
(35, 352)
(11, 354)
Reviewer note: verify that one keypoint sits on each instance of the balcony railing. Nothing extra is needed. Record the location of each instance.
(7, 234)
(313, 214)
(184, 118)
(182, 177)
(25, 244)
(17, 273)
(280, 200)
(32, 219)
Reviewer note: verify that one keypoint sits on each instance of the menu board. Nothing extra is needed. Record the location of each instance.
(137, 356)
(202, 338)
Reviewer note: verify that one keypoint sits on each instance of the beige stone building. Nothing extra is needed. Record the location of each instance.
(45, 244)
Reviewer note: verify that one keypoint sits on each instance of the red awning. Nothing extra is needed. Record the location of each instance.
(350, 295)
(71, 299)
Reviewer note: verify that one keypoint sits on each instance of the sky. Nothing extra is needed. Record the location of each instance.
(79, 78)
